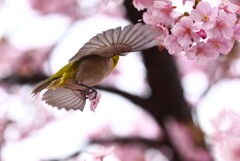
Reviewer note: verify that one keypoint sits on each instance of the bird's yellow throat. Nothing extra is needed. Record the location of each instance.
(115, 59)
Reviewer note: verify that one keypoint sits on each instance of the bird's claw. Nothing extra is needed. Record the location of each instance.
(92, 95)
(89, 92)
(94, 99)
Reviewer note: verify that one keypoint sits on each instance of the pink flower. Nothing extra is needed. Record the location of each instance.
(94, 101)
(172, 45)
(237, 31)
(229, 7)
(201, 52)
(185, 31)
(142, 4)
(224, 25)
(164, 33)
(165, 11)
(161, 12)
(149, 19)
(217, 25)
(204, 13)
(202, 34)
(221, 44)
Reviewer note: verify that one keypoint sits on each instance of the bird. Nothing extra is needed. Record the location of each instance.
(69, 87)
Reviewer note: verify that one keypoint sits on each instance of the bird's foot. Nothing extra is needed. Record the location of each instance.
(93, 96)
(90, 91)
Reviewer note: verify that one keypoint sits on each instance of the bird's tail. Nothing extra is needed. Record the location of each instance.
(42, 85)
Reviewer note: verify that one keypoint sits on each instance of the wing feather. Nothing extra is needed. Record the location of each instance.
(65, 98)
(140, 29)
(133, 30)
(124, 32)
(103, 39)
(116, 34)
(95, 41)
(109, 36)
(120, 41)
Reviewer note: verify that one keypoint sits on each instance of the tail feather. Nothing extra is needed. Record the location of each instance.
(42, 85)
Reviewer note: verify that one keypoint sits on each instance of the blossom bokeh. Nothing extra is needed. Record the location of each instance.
(177, 101)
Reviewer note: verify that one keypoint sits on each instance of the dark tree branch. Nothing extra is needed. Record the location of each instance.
(130, 140)
(133, 98)
(167, 94)
(19, 79)
(162, 74)
(167, 98)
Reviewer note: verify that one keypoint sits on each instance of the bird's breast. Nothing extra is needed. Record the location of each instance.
(93, 69)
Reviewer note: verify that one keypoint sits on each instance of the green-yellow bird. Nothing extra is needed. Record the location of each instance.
(70, 86)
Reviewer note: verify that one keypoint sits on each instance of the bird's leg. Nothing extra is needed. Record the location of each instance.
(92, 90)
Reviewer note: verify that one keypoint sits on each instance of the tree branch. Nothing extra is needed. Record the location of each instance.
(133, 98)
(167, 98)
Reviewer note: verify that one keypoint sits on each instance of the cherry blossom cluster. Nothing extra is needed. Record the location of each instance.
(203, 34)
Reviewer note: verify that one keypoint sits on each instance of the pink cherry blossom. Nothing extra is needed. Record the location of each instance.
(172, 45)
(165, 11)
(149, 19)
(164, 33)
(201, 52)
(204, 13)
(202, 34)
(224, 25)
(229, 7)
(221, 44)
(185, 31)
(161, 12)
(237, 31)
(142, 4)
(212, 27)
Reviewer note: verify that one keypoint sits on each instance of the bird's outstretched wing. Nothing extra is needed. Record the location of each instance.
(65, 98)
(120, 41)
